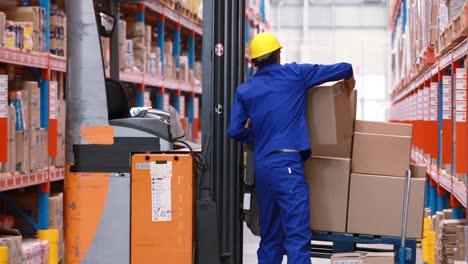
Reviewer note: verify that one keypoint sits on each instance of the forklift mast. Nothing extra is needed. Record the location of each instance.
(221, 187)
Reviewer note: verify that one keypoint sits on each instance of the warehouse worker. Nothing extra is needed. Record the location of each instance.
(270, 111)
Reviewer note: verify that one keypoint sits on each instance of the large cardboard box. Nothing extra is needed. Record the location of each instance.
(29, 203)
(342, 149)
(418, 171)
(328, 180)
(12, 239)
(329, 117)
(376, 206)
(33, 14)
(381, 148)
(22, 151)
(363, 258)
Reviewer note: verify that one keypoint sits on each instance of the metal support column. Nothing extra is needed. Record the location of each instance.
(176, 50)
(140, 95)
(43, 218)
(433, 196)
(191, 50)
(161, 25)
(221, 188)
(114, 42)
(141, 87)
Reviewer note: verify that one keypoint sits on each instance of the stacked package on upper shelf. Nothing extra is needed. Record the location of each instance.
(460, 252)
(455, 8)
(169, 65)
(136, 46)
(24, 28)
(58, 36)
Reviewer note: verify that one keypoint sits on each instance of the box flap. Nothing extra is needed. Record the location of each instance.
(347, 255)
(380, 254)
(384, 128)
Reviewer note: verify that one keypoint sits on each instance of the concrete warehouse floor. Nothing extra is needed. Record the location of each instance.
(251, 246)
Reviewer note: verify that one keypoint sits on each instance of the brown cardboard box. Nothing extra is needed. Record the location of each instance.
(328, 180)
(363, 258)
(27, 14)
(418, 171)
(11, 163)
(376, 206)
(2, 28)
(22, 151)
(342, 149)
(12, 239)
(381, 148)
(29, 201)
(123, 32)
(329, 117)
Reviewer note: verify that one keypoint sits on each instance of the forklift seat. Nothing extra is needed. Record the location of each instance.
(117, 102)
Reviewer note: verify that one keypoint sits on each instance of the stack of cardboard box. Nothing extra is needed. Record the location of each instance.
(183, 69)
(460, 252)
(356, 177)
(136, 32)
(169, 65)
(122, 46)
(59, 160)
(28, 202)
(446, 240)
(363, 258)
(34, 251)
(30, 25)
(12, 240)
(58, 25)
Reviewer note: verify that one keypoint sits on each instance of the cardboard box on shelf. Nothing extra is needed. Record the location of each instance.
(376, 206)
(22, 151)
(33, 14)
(342, 149)
(123, 32)
(35, 251)
(28, 202)
(381, 148)
(418, 171)
(328, 179)
(11, 159)
(34, 148)
(12, 239)
(329, 115)
(2, 28)
(363, 258)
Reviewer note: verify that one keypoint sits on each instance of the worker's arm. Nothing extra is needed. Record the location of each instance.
(316, 74)
(239, 126)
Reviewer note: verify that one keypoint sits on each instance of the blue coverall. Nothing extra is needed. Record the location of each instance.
(275, 101)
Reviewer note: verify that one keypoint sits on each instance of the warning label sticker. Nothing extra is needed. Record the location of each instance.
(460, 95)
(461, 117)
(447, 115)
(447, 89)
(447, 106)
(161, 194)
(461, 72)
(446, 79)
(446, 97)
(460, 84)
(460, 105)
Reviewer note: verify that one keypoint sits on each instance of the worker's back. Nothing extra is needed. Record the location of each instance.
(275, 101)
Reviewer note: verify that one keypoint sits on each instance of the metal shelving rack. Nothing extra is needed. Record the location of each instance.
(437, 148)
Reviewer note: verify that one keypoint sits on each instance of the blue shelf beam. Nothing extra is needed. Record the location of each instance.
(161, 25)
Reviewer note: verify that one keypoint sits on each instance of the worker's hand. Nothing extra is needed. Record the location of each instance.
(247, 124)
(350, 84)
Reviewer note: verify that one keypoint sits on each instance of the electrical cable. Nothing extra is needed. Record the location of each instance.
(199, 160)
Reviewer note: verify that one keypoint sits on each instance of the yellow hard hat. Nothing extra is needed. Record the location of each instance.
(262, 44)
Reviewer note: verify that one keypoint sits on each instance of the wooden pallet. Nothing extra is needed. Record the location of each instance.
(453, 35)
(169, 3)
